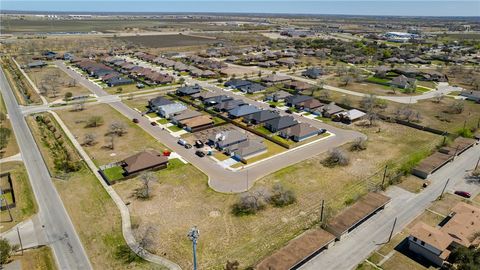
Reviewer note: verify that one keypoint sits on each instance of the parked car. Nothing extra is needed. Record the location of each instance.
(200, 153)
(289, 111)
(273, 106)
(322, 131)
(463, 194)
(153, 123)
(182, 142)
(199, 144)
(135, 120)
(140, 85)
(188, 146)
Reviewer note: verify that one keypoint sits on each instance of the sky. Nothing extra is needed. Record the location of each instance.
(344, 7)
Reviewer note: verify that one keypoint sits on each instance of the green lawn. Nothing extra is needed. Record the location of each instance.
(174, 128)
(377, 80)
(421, 89)
(162, 121)
(263, 130)
(114, 173)
(280, 139)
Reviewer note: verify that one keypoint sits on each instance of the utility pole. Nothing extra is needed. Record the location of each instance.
(393, 228)
(476, 166)
(20, 240)
(193, 236)
(384, 175)
(443, 190)
(321, 211)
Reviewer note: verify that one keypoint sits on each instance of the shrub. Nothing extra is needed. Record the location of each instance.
(465, 132)
(248, 204)
(336, 157)
(359, 144)
(456, 107)
(5, 250)
(282, 197)
(94, 121)
(125, 254)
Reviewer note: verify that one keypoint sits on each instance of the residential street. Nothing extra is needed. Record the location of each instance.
(221, 179)
(405, 206)
(58, 228)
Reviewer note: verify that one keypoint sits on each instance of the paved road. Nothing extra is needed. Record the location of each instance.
(59, 230)
(221, 179)
(351, 251)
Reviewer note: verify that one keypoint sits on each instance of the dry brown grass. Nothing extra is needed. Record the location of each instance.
(42, 74)
(412, 183)
(444, 205)
(12, 146)
(38, 259)
(182, 199)
(133, 141)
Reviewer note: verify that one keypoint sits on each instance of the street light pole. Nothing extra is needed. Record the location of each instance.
(193, 235)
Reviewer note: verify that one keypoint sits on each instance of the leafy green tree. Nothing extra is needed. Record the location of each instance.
(5, 251)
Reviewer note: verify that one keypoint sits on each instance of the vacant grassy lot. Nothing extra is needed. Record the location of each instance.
(167, 40)
(8, 143)
(133, 141)
(183, 189)
(25, 201)
(56, 83)
(371, 88)
(38, 259)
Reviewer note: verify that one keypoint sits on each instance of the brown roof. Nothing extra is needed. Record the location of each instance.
(433, 162)
(311, 104)
(464, 223)
(144, 160)
(432, 236)
(296, 250)
(300, 130)
(197, 121)
(354, 214)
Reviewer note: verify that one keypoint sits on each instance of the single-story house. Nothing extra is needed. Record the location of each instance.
(275, 78)
(236, 83)
(403, 82)
(471, 95)
(247, 149)
(184, 115)
(296, 99)
(227, 138)
(279, 123)
(197, 123)
(228, 105)
(252, 88)
(242, 111)
(313, 72)
(328, 110)
(116, 81)
(37, 64)
(278, 96)
(260, 117)
(145, 160)
(298, 85)
(155, 103)
(169, 110)
(348, 116)
(216, 99)
(458, 229)
(299, 132)
(189, 90)
(309, 105)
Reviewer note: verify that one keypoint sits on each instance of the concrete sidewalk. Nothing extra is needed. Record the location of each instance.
(32, 234)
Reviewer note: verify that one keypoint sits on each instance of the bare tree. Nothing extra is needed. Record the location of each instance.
(110, 141)
(347, 79)
(89, 139)
(94, 121)
(359, 144)
(456, 107)
(117, 128)
(146, 178)
(80, 105)
(336, 157)
(438, 97)
(147, 239)
(234, 265)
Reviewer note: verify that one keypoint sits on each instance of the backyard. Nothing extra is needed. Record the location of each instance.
(183, 189)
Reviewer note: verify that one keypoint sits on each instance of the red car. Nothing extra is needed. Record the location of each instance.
(463, 194)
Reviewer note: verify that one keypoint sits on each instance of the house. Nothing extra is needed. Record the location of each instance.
(278, 96)
(184, 115)
(227, 138)
(280, 123)
(274, 78)
(260, 117)
(313, 72)
(246, 149)
(287, 61)
(189, 90)
(471, 95)
(169, 110)
(228, 105)
(403, 82)
(37, 64)
(252, 88)
(328, 110)
(309, 105)
(348, 116)
(459, 228)
(299, 132)
(210, 101)
(157, 102)
(296, 99)
(237, 83)
(242, 111)
(433, 75)
(197, 123)
(298, 85)
(145, 160)
(116, 81)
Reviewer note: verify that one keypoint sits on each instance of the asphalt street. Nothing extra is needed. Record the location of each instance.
(57, 226)
(221, 179)
(405, 206)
